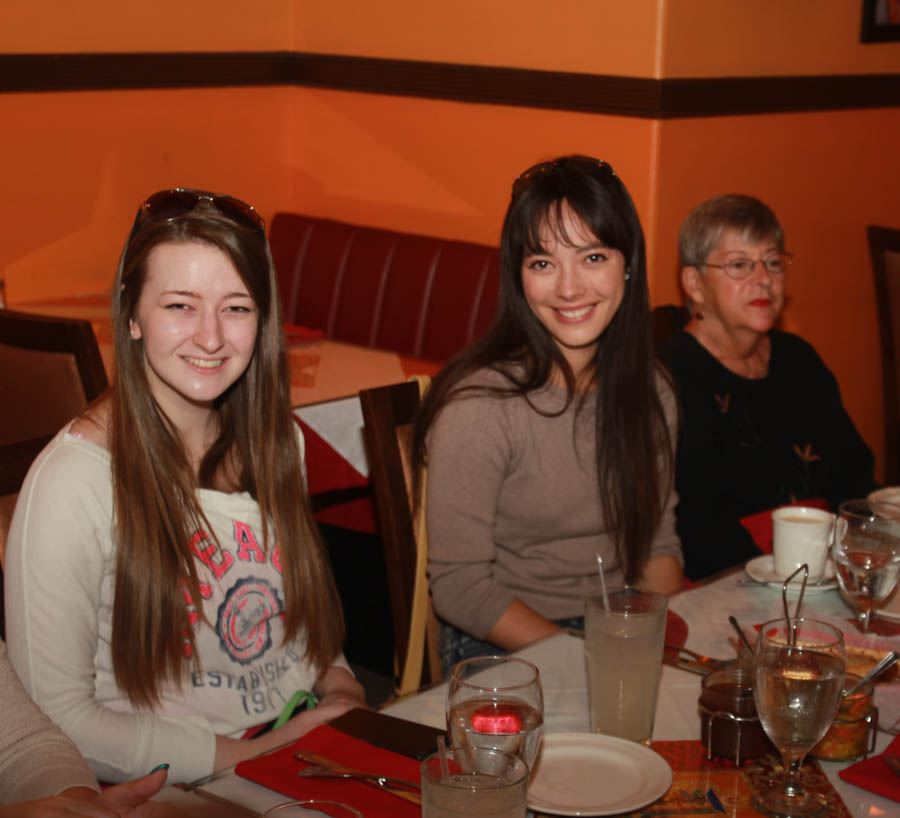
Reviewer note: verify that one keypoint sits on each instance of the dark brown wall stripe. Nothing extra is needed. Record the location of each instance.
(564, 91)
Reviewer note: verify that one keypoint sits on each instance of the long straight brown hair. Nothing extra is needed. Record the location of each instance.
(156, 510)
(633, 446)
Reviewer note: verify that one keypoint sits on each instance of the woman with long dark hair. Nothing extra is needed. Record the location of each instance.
(167, 588)
(549, 441)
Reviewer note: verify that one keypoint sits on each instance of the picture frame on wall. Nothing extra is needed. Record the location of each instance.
(880, 21)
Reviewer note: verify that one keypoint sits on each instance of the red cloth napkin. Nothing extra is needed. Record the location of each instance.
(760, 524)
(278, 771)
(296, 334)
(676, 630)
(874, 775)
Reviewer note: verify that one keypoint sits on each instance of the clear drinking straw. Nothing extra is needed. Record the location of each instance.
(602, 582)
(442, 752)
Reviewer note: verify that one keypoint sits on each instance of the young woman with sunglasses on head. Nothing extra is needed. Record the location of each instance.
(762, 421)
(167, 588)
(549, 441)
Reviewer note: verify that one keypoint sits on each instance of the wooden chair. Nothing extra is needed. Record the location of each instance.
(388, 413)
(884, 245)
(51, 370)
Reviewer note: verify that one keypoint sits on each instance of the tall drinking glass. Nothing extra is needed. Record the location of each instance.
(866, 554)
(800, 666)
(624, 637)
(496, 702)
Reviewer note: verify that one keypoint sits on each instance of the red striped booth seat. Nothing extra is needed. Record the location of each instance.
(420, 296)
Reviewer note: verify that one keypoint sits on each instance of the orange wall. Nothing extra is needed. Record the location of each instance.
(442, 168)
(642, 38)
(737, 38)
(591, 36)
(66, 26)
(77, 165)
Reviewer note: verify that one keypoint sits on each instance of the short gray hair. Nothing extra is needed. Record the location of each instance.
(705, 225)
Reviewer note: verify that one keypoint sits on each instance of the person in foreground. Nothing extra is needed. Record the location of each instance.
(550, 440)
(42, 774)
(762, 421)
(166, 587)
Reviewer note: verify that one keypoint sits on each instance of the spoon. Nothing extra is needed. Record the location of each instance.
(888, 662)
(740, 632)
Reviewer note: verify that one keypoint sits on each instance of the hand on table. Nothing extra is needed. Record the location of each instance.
(338, 692)
(128, 800)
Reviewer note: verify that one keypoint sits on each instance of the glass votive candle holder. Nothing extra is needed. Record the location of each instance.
(854, 730)
(729, 724)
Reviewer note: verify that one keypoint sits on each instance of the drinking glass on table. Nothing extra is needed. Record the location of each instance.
(866, 554)
(624, 637)
(474, 781)
(800, 666)
(496, 702)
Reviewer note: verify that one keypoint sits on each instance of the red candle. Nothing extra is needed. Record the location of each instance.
(497, 719)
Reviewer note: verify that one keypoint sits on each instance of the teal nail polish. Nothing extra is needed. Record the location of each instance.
(159, 767)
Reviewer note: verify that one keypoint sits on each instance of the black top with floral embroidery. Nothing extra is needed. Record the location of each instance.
(745, 446)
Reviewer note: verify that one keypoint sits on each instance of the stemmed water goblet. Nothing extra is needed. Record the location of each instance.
(496, 702)
(866, 554)
(799, 676)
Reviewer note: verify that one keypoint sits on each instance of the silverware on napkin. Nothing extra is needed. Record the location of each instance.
(324, 767)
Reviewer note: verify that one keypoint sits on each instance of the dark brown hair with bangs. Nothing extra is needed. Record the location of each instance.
(631, 433)
(154, 487)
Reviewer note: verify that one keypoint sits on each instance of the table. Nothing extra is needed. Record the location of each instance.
(561, 661)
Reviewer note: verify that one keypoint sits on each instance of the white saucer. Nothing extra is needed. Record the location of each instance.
(762, 569)
(591, 774)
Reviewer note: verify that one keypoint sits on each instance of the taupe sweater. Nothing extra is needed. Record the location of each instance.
(36, 759)
(514, 511)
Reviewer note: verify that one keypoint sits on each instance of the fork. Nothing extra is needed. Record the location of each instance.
(323, 767)
(694, 662)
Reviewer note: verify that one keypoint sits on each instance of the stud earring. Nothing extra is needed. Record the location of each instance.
(133, 329)
(627, 273)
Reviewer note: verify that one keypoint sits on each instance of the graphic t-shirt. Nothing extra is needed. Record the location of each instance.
(61, 573)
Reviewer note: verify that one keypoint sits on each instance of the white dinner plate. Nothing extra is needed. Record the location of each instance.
(762, 569)
(590, 774)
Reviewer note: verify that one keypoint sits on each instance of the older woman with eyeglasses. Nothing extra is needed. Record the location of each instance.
(762, 420)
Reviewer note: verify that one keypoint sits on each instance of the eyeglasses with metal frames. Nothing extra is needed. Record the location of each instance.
(739, 268)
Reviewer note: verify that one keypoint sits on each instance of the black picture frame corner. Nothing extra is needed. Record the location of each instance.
(873, 31)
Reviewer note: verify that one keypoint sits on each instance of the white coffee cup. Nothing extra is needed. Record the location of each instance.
(801, 534)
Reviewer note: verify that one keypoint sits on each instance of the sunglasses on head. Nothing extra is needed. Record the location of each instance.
(166, 205)
(524, 180)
